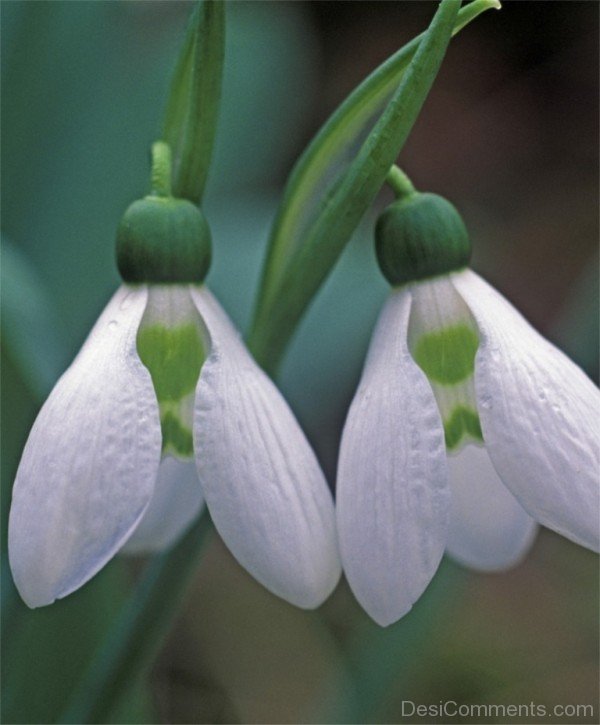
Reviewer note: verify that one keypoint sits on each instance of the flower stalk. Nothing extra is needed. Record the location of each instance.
(399, 182)
(161, 169)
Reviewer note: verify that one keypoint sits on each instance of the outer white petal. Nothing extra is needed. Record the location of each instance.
(89, 466)
(263, 485)
(392, 489)
(540, 417)
(489, 529)
(176, 502)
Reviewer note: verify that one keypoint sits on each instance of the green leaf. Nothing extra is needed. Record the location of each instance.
(31, 330)
(137, 634)
(338, 176)
(193, 108)
(383, 659)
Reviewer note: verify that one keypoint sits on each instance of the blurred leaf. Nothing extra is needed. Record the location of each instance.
(273, 662)
(270, 82)
(193, 107)
(31, 331)
(17, 412)
(45, 650)
(338, 176)
(576, 330)
(137, 632)
(383, 659)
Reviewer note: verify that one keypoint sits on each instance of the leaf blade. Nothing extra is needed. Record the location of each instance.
(191, 116)
(327, 148)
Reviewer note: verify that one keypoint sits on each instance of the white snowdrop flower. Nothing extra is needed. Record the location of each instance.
(467, 428)
(162, 410)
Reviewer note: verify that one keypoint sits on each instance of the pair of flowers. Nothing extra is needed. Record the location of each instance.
(466, 430)
(466, 427)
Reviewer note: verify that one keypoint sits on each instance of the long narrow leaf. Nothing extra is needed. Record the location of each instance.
(193, 108)
(317, 180)
(31, 331)
(137, 635)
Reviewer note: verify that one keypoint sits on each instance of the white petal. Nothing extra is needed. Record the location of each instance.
(176, 503)
(489, 529)
(89, 466)
(392, 489)
(539, 414)
(263, 485)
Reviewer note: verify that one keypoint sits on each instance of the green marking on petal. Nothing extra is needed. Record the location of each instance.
(173, 356)
(176, 437)
(447, 356)
(462, 422)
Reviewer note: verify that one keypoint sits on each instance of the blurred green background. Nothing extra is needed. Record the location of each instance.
(509, 134)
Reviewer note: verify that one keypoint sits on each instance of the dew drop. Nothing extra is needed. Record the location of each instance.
(126, 301)
(485, 402)
(113, 324)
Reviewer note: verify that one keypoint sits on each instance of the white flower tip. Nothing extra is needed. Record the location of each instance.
(33, 595)
(311, 594)
(388, 597)
(43, 573)
(385, 617)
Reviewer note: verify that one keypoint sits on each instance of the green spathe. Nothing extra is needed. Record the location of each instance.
(462, 422)
(163, 240)
(447, 356)
(420, 236)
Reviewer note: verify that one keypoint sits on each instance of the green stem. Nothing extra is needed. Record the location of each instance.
(399, 182)
(288, 231)
(280, 312)
(161, 169)
(136, 637)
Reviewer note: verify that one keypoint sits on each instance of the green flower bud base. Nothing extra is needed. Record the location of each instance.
(420, 236)
(163, 240)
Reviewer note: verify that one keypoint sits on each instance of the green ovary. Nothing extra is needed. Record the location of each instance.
(447, 356)
(462, 422)
(174, 357)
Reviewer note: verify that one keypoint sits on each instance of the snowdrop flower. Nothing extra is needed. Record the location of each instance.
(163, 409)
(467, 428)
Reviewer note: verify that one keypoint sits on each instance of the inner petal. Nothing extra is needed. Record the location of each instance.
(443, 339)
(171, 344)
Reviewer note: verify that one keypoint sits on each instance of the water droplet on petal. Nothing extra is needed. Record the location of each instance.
(485, 402)
(126, 301)
(113, 324)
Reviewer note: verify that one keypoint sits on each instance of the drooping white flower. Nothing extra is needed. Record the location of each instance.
(98, 474)
(162, 410)
(467, 428)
